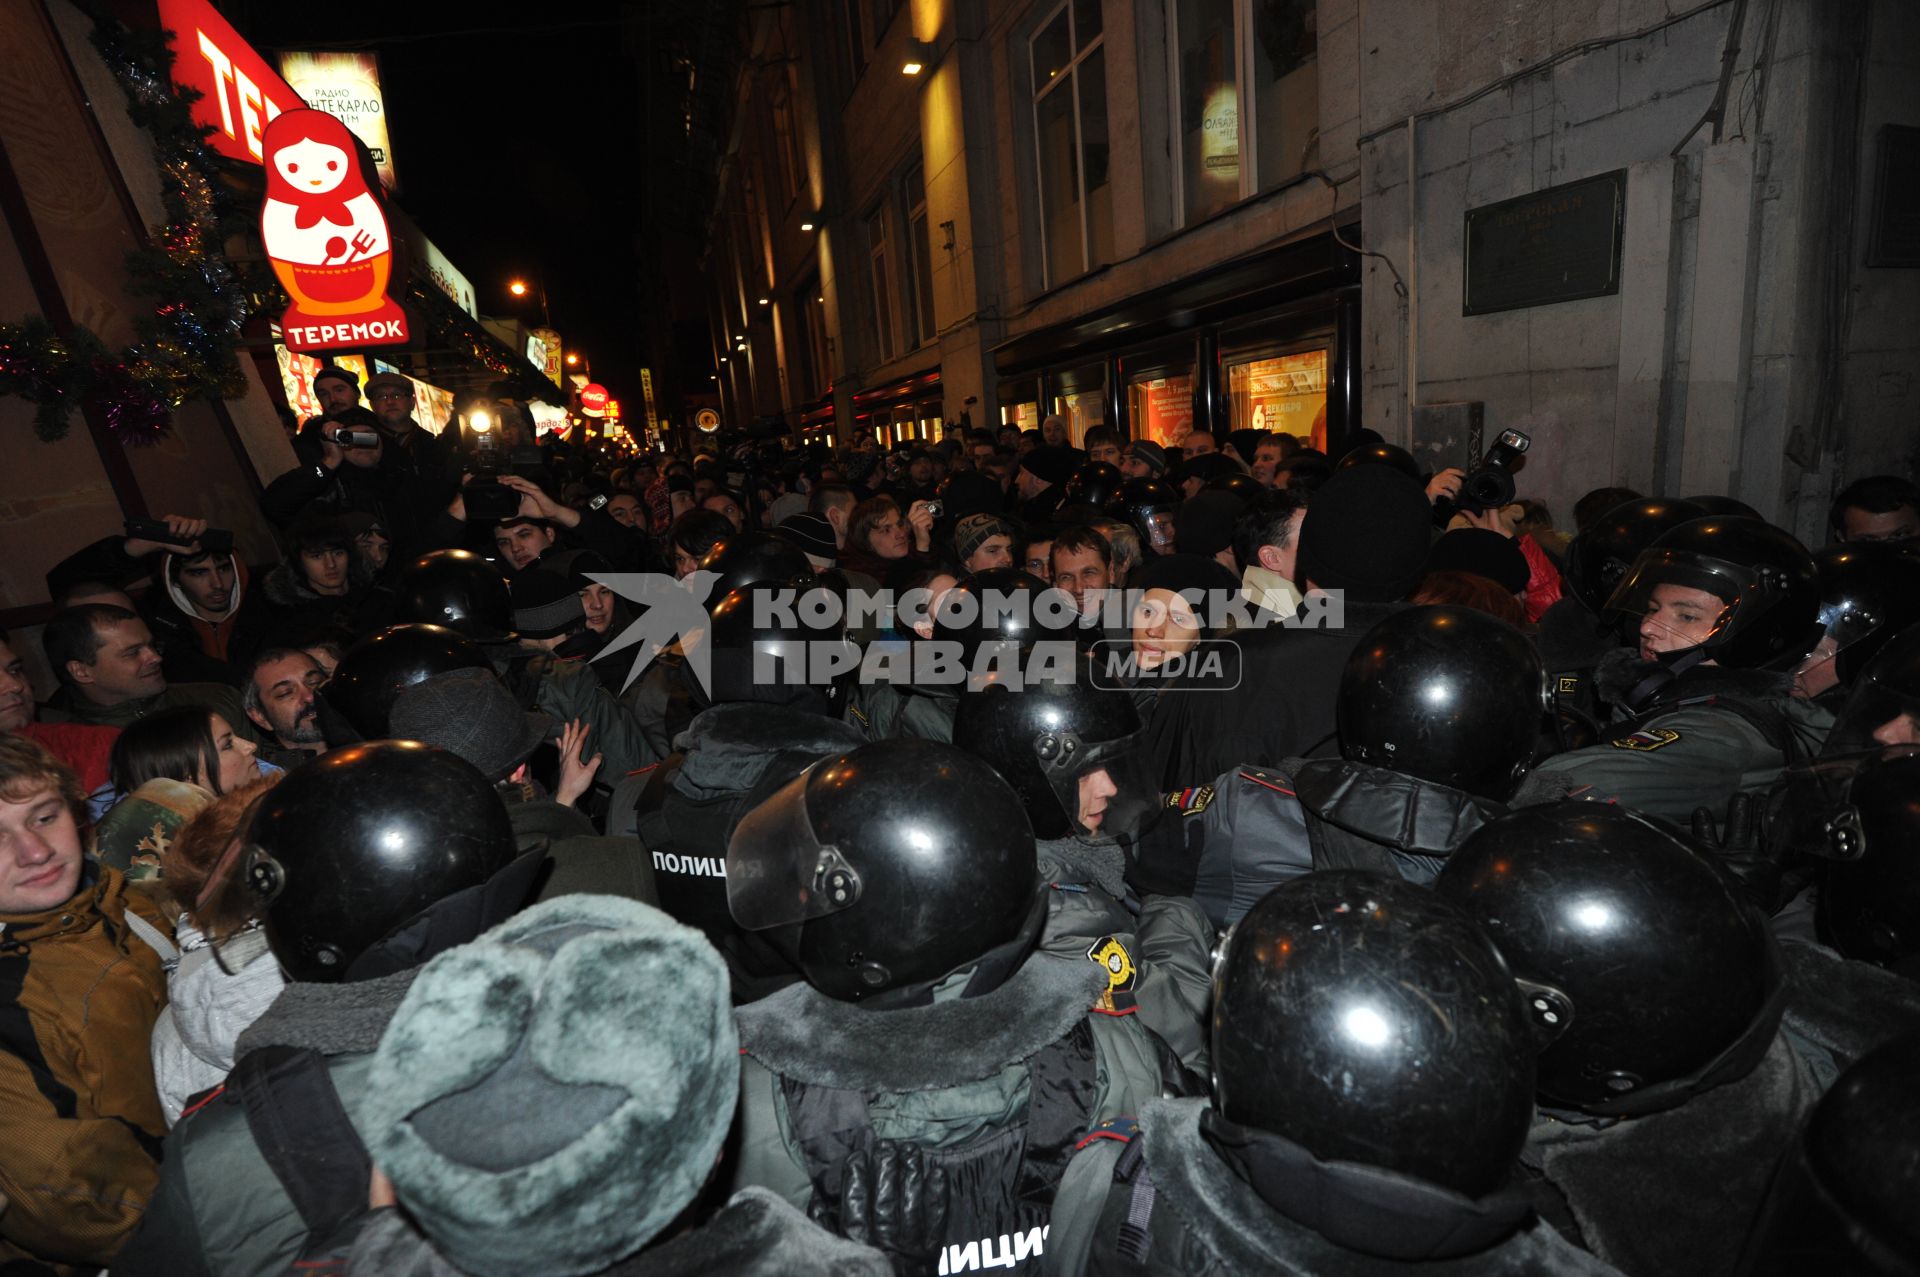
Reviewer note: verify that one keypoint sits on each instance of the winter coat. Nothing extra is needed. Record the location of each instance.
(296, 613)
(196, 650)
(217, 698)
(207, 1009)
(79, 1119)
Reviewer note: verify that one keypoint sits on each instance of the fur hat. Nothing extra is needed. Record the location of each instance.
(550, 1096)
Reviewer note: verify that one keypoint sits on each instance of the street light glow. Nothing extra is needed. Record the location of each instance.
(518, 288)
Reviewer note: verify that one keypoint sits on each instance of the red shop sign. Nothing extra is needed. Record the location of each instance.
(240, 92)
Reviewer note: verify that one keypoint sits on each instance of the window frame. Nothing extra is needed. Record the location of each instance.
(920, 253)
(879, 280)
(1066, 82)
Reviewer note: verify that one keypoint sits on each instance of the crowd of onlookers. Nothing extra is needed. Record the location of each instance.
(161, 803)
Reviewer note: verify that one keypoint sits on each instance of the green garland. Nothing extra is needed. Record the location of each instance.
(186, 343)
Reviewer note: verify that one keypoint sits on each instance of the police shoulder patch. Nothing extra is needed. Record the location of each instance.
(1648, 738)
(854, 710)
(1190, 802)
(1122, 1129)
(1111, 956)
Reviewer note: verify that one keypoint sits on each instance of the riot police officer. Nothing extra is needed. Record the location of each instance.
(365, 863)
(930, 1044)
(1373, 1084)
(1437, 711)
(1725, 606)
(1075, 754)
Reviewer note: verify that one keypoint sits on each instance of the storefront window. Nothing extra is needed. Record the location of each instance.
(1285, 393)
(1081, 408)
(1209, 106)
(1161, 408)
(1024, 416)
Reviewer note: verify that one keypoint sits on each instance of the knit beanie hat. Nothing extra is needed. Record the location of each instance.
(1366, 532)
(1155, 457)
(549, 1097)
(1482, 552)
(1194, 576)
(973, 530)
(1204, 525)
(1051, 465)
(813, 535)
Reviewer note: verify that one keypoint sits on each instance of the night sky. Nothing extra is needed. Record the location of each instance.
(516, 140)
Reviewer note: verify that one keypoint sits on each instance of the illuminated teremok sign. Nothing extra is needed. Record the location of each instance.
(240, 94)
(325, 230)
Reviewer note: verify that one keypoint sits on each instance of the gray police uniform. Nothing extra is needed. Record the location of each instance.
(995, 1089)
(884, 711)
(1254, 828)
(1156, 1198)
(1707, 735)
(1156, 952)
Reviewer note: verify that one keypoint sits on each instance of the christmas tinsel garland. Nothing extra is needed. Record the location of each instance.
(185, 345)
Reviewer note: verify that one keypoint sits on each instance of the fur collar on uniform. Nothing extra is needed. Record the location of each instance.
(1232, 1222)
(1084, 860)
(333, 1019)
(801, 1033)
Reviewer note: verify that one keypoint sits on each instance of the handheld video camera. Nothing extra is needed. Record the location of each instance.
(212, 541)
(1489, 485)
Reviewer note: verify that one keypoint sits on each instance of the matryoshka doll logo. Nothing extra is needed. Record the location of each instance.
(326, 233)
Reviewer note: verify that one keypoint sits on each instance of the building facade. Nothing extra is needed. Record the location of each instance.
(1662, 238)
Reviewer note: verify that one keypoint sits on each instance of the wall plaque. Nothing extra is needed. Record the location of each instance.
(1556, 245)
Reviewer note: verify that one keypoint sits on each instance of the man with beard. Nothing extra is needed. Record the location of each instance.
(281, 697)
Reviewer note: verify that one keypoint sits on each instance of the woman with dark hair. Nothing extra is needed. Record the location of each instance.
(187, 744)
(693, 534)
(885, 544)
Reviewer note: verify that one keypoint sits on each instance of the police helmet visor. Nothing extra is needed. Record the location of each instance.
(1733, 585)
(1106, 788)
(1878, 713)
(779, 873)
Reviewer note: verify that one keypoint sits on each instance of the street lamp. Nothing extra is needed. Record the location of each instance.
(520, 288)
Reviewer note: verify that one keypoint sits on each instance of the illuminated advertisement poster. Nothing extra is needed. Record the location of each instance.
(347, 87)
(297, 373)
(646, 390)
(1220, 135)
(537, 350)
(1287, 393)
(552, 367)
(445, 275)
(240, 94)
(1162, 408)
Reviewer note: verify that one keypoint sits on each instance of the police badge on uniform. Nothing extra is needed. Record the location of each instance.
(1648, 738)
(1190, 802)
(1112, 957)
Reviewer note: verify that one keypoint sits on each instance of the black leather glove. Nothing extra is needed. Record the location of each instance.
(1738, 845)
(893, 1198)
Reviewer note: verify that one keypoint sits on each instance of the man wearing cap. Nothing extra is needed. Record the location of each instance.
(1041, 483)
(413, 454)
(471, 714)
(1145, 459)
(336, 388)
(984, 541)
(1362, 550)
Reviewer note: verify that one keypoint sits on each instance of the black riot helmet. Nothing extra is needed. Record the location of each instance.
(1369, 1021)
(767, 641)
(1003, 605)
(889, 869)
(1384, 454)
(1764, 580)
(1447, 694)
(1149, 506)
(1869, 592)
(1883, 707)
(372, 858)
(1631, 945)
(1074, 752)
(1842, 1200)
(460, 590)
(750, 558)
(1244, 486)
(1869, 898)
(1095, 484)
(356, 701)
(1724, 506)
(1600, 555)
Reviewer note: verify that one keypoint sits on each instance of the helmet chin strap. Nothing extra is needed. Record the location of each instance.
(1668, 666)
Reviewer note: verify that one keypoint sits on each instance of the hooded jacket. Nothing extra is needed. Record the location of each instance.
(81, 1125)
(297, 611)
(208, 1007)
(195, 649)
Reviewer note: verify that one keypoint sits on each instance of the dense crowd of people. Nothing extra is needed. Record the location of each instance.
(1097, 857)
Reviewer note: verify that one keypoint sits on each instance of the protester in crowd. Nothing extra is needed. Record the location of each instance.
(1880, 507)
(84, 747)
(1082, 565)
(694, 534)
(83, 985)
(1266, 547)
(882, 541)
(1125, 543)
(324, 581)
(111, 674)
(1041, 483)
(280, 696)
(188, 744)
